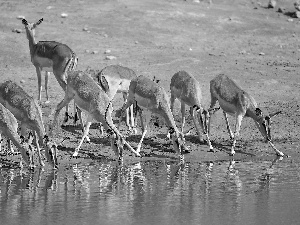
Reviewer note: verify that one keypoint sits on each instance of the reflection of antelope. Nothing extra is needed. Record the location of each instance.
(187, 89)
(28, 112)
(89, 96)
(236, 102)
(49, 56)
(152, 97)
(8, 127)
(116, 79)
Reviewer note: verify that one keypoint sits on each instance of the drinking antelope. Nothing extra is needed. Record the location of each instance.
(50, 56)
(8, 127)
(90, 97)
(238, 103)
(116, 79)
(26, 110)
(153, 98)
(187, 89)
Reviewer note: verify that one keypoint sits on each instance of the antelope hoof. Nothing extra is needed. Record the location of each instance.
(232, 153)
(75, 154)
(211, 150)
(280, 154)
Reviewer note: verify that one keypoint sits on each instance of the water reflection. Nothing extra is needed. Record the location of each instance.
(152, 192)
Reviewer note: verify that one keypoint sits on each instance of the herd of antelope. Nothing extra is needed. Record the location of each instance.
(93, 94)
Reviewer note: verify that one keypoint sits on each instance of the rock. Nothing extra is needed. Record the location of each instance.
(290, 20)
(64, 15)
(17, 30)
(20, 17)
(85, 29)
(136, 42)
(261, 53)
(297, 14)
(22, 81)
(107, 51)
(271, 4)
(94, 52)
(281, 10)
(87, 51)
(297, 5)
(105, 35)
(49, 7)
(110, 57)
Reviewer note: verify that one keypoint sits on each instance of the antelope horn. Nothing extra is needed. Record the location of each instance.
(24, 22)
(274, 114)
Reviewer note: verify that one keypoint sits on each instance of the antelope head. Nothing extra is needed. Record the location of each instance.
(178, 140)
(204, 116)
(264, 123)
(31, 26)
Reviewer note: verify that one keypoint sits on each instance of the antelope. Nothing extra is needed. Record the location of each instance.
(238, 103)
(116, 79)
(187, 89)
(28, 112)
(50, 56)
(91, 98)
(150, 96)
(8, 127)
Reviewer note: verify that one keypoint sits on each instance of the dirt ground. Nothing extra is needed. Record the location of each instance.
(257, 47)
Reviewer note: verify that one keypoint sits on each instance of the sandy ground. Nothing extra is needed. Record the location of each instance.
(256, 46)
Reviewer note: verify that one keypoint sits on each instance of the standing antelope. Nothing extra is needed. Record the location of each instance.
(26, 110)
(116, 79)
(8, 127)
(50, 56)
(90, 97)
(151, 96)
(187, 89)
(238, 103)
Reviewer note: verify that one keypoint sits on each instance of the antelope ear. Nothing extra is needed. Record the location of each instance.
(274, 114)
(24, 22)
(39, 22)
(258, 112)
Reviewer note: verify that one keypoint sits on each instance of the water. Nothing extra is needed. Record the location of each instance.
(154, 192)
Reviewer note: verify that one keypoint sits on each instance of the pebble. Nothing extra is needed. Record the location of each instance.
(85, 29)
(280, 10)
(107, 51)
(110, 57)
(297, 5)
(297, 14)
(261, 53)
(20, 17)
(271, 4)
(64, 15)
(17, 30)
(290, 20)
